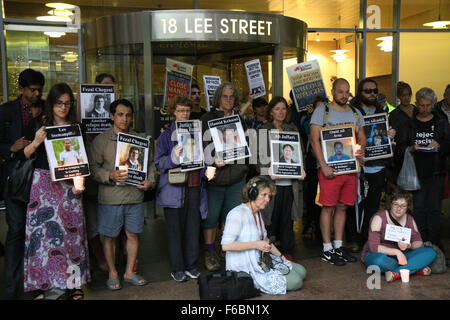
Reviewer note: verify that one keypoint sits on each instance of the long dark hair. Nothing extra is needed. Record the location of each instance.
(275, 100)
(53, 95)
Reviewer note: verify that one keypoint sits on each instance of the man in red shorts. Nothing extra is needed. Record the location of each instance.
(336, 191)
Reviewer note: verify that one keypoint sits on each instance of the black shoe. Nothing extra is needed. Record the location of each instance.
(343, 253)
(332, 258)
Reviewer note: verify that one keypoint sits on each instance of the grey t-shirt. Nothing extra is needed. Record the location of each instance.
(337, 118)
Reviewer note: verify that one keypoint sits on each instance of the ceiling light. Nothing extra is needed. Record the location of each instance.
(60, 13)
(60, 5)
(54, 34)
(439, 24)
(54, 19)
(70, 56)
(386, 43)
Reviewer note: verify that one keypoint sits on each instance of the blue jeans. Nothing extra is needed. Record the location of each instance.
(417, 260)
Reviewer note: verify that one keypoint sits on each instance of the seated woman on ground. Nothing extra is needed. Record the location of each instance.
(392, 256)
(245, 241)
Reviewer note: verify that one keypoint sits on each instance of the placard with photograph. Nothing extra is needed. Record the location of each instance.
(189, 135)
(286, 154)
(210, 84)
(337, 146)
(255, 78)
(379, 144)
(132, 155)
(66, 153)
(306, 83)
(229, 138)
(93, 105)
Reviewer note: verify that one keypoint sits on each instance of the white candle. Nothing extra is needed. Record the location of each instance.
(210, 172)
(123, 168)
(356, 148)
(78, 183)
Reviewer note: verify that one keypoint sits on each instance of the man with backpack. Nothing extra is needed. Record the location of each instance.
(336, 191)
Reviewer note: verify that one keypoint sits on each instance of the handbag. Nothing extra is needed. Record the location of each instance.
(407, 178)
(19, 182)
(228, 285)
(177, 177)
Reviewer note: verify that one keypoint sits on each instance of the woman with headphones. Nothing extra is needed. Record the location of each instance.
(249, 250)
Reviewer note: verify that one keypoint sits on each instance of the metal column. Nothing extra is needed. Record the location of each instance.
(3, 54)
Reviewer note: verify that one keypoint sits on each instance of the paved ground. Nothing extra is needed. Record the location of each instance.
(323, 282)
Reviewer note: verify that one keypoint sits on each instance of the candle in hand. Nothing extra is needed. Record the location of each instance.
(78, 183)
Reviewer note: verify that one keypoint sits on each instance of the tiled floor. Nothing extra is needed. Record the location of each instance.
(323, 282)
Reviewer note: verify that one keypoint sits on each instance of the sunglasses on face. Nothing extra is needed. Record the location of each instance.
(369, 91)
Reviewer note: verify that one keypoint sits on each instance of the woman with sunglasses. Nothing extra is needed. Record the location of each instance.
(56, 251)
(391, 256)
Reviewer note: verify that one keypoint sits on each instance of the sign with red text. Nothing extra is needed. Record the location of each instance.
(178, 80)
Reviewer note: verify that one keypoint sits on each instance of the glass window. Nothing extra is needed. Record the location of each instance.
(380, 14)
(324, 14)
(379, 61)
(414, 13)
(425, 65)
(272, 6)
(56, 58)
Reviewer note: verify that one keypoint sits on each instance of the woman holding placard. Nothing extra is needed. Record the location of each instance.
(184, 205)
(388, 246)
(56, 252)
(286, 206)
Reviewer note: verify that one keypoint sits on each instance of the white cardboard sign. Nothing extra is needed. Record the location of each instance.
(397, 234)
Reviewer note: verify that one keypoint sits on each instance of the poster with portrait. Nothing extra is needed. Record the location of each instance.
(255, 78)
(178, 80)
(378, 144)
(93, 106)
(286, 154)
(210, 84)
(189, 135)
(306, 83)
(132, 155)
(229, 138)
(66, 153)
(337, 146)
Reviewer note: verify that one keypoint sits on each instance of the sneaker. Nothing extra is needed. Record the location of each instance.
(179, 276)
(193, 273)
(211, 261)
(290, 258)
(332, 258)
(391, 276)
(343, 253)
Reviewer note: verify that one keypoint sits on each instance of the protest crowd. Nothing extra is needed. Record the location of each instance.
(365, 179)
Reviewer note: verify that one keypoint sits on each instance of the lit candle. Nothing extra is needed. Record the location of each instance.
(356, 148)
(123, 168)
(210, 172)
(78, 183)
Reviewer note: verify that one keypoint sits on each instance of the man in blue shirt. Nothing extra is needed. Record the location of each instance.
(338, 154)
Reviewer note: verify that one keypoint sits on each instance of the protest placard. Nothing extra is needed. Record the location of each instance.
(132, 155)
(306, 83)
(229, 138)
(337, 147)
(93, 106)
(286, 154)
(210, 84)
(378, 142)
(189, 136)
(255, 78)
(178, 80)
(66, 153)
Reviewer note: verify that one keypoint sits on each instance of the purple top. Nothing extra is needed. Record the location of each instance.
(376, 238)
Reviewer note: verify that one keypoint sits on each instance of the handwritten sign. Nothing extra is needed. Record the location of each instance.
(397, 234)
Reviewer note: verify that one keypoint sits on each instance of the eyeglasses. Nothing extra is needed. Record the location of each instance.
(195, 93)
(61, 104)
(401, 206)
(369, 91)
(183, 110)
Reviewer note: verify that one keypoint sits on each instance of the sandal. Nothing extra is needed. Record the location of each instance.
(39, 295)
(424, 272)
(55, 294)
(76, 294)
(111, 282)
(135, 281)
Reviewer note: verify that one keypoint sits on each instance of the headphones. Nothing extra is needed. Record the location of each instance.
(253, 192)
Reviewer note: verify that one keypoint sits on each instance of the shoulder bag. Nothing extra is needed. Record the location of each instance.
(177, 177)
(229, 285)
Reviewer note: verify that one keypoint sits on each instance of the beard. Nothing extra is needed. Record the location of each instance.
(341, 102)
(369, 102)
